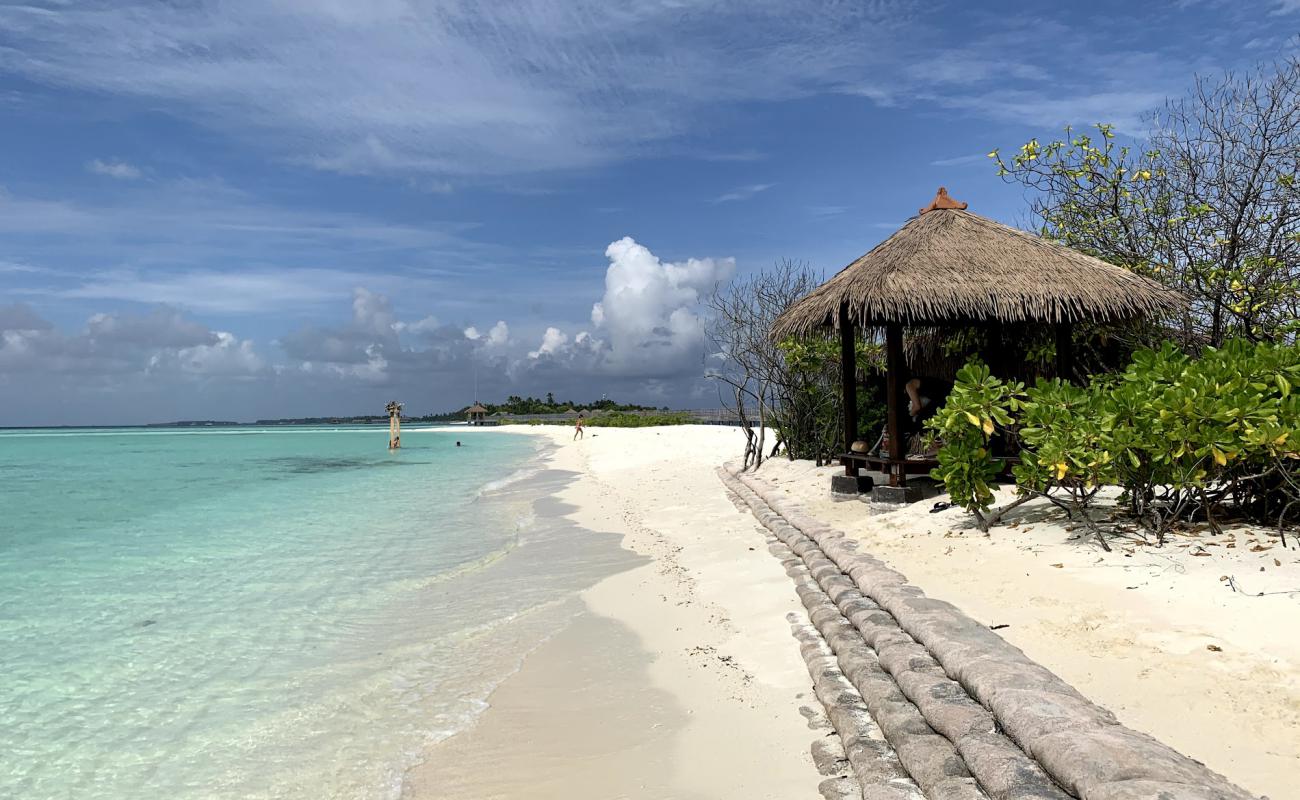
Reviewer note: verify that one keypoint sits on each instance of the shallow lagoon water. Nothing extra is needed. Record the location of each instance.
(276, 613)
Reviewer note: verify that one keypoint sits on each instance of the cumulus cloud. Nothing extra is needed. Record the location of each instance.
(421, 326)
(226, 355)
(376, 346)
(553, 340)
(372, 328)
(498, 335)
(114, 169)
(647, 322)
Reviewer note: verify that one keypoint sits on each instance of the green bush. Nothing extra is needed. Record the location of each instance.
(1189, 435)
(1183, 438)
(978, 405)
(809, 413)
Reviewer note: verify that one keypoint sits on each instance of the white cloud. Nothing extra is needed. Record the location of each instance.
(743, 192)
(114, 169)
(161, 342)
(427, 325)
(491, 89)
(958, 161)
(428, 91)
(220, 291)
(497, 335)
(228, 355)
(372, 313)
(646, 323)
(552, 342)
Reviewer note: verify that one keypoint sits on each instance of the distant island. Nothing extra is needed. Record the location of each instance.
(522, 406)
(513, 405)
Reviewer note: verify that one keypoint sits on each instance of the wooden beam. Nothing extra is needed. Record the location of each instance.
(894, 382)
(848, 386)
(1064, 351)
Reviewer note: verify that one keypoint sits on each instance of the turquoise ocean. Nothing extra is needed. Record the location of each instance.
(266, 613)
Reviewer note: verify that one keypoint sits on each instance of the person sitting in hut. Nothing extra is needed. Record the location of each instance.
(916, 402)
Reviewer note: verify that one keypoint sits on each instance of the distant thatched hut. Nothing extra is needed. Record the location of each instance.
(476, 414)
(946, 267)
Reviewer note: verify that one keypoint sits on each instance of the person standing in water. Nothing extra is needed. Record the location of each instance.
(577, 428)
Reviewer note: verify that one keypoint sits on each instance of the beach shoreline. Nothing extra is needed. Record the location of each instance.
(687, 665)
(679, 677)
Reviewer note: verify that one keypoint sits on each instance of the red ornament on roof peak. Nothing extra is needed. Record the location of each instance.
(942, 200)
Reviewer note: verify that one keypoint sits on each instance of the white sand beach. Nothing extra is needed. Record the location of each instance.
(681, 678)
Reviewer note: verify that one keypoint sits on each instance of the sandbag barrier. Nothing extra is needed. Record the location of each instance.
(853, 744)
(1021, 731)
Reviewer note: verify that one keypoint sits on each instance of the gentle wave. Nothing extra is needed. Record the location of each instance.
(521, 474)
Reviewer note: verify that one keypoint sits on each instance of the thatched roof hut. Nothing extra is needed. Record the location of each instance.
(476, 414)
(948, 265)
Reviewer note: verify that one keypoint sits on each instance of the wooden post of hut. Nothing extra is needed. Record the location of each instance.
(394, 410)
(950, 268)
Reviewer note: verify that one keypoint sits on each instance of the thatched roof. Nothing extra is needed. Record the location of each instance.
(948, 265)
(476, 409)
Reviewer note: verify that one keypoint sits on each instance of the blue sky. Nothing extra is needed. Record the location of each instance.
(284, 207)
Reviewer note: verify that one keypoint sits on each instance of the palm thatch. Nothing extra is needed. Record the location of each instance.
(948, 265)
(476, 409)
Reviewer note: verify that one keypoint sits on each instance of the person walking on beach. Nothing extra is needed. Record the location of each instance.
(577, 428)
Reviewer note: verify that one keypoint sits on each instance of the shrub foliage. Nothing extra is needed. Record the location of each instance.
(1183, 438)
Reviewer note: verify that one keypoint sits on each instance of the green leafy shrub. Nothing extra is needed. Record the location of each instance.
(1183, 438)
(978, 405)
(1064, 456)
(809, 414)
(1191, 435)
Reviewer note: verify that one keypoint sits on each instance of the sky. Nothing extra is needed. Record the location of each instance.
(278, 208)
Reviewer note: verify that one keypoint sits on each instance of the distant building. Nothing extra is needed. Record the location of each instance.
(476, 415)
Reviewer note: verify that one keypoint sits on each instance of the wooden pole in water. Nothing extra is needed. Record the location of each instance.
(394, 410)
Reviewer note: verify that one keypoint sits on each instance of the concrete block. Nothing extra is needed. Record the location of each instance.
(849, 484)
(910, 493)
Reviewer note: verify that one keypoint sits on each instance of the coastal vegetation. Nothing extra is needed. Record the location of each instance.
(1202, 422)
(525, 406)
(1189, 415)
(785, 387)
(1208, 203)
(625, 419)
(1184, 439)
